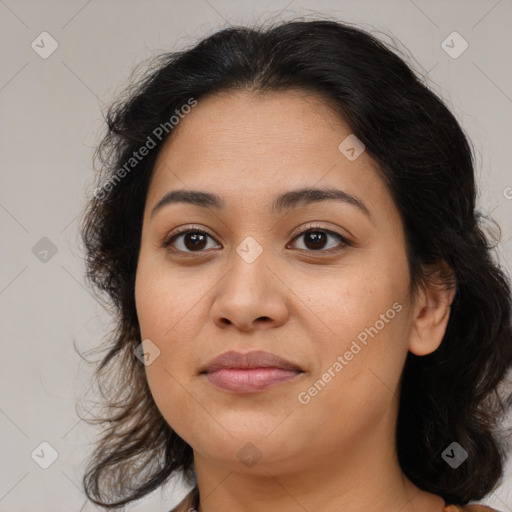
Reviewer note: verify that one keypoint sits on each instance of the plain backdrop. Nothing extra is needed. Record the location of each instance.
(50, 123)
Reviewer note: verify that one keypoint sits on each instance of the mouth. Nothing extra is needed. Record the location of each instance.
(251, 372)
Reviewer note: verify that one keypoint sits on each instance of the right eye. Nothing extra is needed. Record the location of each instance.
(187, 240)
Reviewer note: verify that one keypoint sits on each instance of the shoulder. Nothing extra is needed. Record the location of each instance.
(189, 503)
(469, 508)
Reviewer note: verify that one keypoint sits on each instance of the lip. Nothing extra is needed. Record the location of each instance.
(249, 372)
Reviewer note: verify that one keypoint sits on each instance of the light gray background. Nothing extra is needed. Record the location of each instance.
(51, 122)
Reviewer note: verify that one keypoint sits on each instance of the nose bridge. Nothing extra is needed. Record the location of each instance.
(250, 250)
(248, 263)
(249, 290)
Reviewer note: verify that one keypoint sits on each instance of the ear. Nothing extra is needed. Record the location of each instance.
(431, 310)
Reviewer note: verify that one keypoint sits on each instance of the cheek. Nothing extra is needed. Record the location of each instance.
(362, 338)
(357, 382)
(167, 316)
(164, 299)
(352, 299)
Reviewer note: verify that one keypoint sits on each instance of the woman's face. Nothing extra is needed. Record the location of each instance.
(338, 311)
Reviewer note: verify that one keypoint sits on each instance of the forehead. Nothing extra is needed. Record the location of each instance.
(257, 145)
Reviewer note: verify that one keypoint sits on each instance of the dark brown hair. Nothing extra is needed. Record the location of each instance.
(426, 162)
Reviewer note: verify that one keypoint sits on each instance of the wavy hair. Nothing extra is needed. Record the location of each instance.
(456, 393)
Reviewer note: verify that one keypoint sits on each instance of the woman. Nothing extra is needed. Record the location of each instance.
(308, 314)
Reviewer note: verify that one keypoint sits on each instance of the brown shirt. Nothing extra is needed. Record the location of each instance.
(191, 502)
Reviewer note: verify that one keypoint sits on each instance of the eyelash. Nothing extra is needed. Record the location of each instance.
(310, 228)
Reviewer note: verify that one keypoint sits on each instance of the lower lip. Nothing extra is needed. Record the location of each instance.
(249, 380)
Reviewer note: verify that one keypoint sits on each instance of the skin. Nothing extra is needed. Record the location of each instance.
(336, 452)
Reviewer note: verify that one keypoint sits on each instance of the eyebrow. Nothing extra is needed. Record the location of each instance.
(284, 202)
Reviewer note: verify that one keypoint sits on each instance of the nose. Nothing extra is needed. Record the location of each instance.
(250, 296)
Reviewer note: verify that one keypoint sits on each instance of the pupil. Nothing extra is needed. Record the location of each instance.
(318, 239)
(198, 240)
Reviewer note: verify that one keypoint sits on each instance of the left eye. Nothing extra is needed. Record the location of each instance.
(315, 239)
(194, 240)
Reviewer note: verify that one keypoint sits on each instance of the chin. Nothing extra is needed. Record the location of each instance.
(256, 456)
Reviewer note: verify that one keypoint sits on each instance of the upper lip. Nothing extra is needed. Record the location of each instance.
(255, 359)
